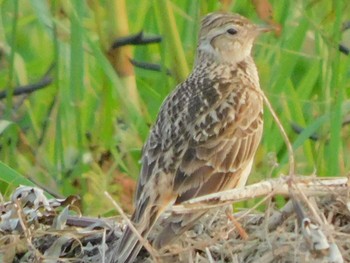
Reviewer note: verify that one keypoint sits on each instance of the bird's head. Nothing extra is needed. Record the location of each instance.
(227, 37)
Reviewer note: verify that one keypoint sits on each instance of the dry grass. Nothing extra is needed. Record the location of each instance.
(307, 229)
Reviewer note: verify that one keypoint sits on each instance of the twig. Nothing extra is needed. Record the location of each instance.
(279, 216)
(103, 246)
(265, 224)
(313, 233)
(250, 210)
(210, 257)
(143, 241)
(150, 66)
(314, 136)
(309, 185)
(298, 129)
(243, 234)
(26, 230)
(81, 221)
(44, 82)
(334, 253)
(343, 49)
(300, 213)
(284, 135)
(136, 39)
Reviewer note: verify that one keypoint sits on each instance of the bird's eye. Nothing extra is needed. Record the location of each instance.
(232, 31)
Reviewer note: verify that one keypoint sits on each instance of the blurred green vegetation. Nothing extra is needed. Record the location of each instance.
(84, 132)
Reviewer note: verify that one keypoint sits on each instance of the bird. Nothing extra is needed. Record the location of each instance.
(205, 136)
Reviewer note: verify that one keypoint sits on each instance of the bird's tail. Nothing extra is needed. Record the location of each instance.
(129, 245)
(174, 227)
(128, 248)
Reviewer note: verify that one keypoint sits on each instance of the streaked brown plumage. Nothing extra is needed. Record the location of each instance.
(206, 134)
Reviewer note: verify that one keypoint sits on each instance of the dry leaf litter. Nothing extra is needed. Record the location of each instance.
(34, 228)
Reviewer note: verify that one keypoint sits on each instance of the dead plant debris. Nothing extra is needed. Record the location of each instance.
(308, 228)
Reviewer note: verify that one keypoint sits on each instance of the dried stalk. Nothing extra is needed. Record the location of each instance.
(143, 241)
(310, 186)
(284, 135)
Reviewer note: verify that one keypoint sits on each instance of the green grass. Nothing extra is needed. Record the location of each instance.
(78, 135)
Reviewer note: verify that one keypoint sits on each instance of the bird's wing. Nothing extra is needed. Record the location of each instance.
(169, 137)
(223, 145)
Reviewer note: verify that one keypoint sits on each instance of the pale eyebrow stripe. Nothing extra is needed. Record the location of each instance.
(219, 21)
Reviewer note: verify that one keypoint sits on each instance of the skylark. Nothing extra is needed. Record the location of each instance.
(206, 134)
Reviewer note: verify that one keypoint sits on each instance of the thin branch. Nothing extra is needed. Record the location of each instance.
(344, 49)
(243, 234)
(311, 186)
(279, 216)
(210, 257)
(136, 39)
(150, 66)
(314, 136)
(44, 82)
(284, 135)
(82, 221)
(298, 129)
(143, 241)
(27, 231)
(314, 234)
